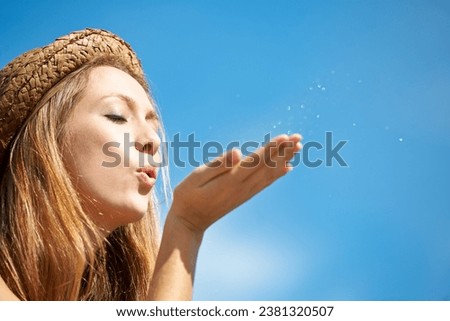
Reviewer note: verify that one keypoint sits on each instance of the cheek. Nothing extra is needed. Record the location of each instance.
(88, 155)
(97, 167)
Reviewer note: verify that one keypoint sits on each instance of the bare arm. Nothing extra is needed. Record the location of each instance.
(205, 196)
(173, 278)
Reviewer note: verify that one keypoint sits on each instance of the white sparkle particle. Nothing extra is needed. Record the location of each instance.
(400, 139)
(354, 124)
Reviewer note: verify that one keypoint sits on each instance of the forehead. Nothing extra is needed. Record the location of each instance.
(110, 81)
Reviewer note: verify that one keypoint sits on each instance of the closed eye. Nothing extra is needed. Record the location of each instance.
(116, 118)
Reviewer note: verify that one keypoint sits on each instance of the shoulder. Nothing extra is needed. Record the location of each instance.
(5, 293)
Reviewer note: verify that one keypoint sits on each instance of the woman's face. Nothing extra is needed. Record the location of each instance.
(112, 142)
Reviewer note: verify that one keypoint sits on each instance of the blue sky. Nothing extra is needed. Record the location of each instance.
(374, 73)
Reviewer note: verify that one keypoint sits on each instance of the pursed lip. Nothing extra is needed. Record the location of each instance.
(147, 175)
(150, 171)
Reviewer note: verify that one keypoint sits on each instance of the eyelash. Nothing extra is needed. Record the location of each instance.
(116, 118)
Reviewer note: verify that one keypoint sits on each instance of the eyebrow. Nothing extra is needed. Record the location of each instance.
(132, 104)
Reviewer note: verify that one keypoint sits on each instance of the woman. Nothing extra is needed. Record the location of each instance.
(72, 227)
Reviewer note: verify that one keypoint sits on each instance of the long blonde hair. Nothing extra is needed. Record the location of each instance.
(50, 249)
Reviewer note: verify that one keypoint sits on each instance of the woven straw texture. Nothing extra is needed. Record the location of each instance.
(26, 79)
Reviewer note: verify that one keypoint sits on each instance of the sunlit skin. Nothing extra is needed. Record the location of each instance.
(207, 194)
(114, 117)
(114, 105)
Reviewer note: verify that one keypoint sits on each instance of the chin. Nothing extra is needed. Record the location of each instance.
(121, 216)
(132, 215)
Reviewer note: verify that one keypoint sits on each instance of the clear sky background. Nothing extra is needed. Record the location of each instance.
(374, 73)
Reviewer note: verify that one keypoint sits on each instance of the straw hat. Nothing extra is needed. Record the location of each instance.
(26, 79)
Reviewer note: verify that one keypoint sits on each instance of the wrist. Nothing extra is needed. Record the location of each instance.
(182, 227)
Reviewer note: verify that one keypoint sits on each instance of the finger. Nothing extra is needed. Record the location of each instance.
(285, 146)
(287, 151)
(222, 164)
(296, 137)
(276, 162)
(282, 159)
(281, 144)
(262, 153)
(263, 156)
(263, 176)
(259, 181)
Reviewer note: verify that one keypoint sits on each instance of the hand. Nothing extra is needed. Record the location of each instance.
(214, 189)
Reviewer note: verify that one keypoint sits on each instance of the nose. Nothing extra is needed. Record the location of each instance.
(148, 140)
